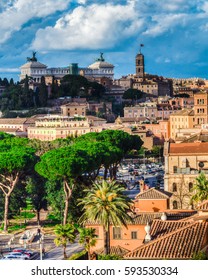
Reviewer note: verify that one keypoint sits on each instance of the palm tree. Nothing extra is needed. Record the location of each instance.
(200, 189)
(87, 237)
(65, 234)
(106, 204)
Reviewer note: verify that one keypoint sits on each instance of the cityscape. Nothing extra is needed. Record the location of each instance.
(100, 166)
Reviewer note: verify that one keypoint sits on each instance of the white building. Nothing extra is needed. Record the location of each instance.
(36, 70)
(99, 69)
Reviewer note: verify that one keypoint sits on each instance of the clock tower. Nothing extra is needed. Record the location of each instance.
(140, 64)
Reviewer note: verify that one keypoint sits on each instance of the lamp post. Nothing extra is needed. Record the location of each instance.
(41, 247)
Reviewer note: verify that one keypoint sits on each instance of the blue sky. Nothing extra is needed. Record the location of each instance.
(174, 34)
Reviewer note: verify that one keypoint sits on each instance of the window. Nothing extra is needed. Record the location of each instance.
(96, 231)
(116, 233)
(190, 186)
(175, 204)
(174, 187)
(134, 235)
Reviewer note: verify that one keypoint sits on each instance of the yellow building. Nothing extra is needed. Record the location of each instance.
(201, 108)
(183, 162)
(74, 109)
(49, 128)
(181, 119)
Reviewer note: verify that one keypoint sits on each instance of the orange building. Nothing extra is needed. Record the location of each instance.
(152, 200)
(150, 205)
(201, 108)
(160, 129)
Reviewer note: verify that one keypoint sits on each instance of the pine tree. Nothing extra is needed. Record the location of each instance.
(43, 92)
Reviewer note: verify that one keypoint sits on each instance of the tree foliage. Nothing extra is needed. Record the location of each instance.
(106, 204)
(15, 159)
(132, 94)
(200, 189)
(64, 234)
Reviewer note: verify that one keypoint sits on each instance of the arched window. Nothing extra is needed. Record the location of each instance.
(174, 187)
(190, 186)
(175, 204)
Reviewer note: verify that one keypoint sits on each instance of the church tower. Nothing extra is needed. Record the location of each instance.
(140, 64)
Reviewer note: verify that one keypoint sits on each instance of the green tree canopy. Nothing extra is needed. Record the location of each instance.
(200, 189)
(106, 204)
(132, 94)
(87, 237)
(64, 234)
(65, 164)
(15, 160)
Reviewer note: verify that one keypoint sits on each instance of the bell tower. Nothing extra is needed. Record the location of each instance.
(140, 64)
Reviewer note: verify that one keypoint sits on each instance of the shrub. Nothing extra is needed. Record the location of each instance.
(109, 257)
(79, 256)
(200, 256)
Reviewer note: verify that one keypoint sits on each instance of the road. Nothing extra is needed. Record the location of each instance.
(57, 252)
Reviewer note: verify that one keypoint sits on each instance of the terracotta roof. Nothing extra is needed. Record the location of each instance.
(188, 148)
(184, 112)
(181, 243)
(117, 250)
(136, 219)
(142, 218)
(160, 228)
(179, 215)
(203, 205)
(13, 121)
(74, 104)
(94, 118)
(135, 119)
(152, 193)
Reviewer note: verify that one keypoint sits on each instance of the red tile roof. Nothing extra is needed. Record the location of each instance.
(203, 205)
(188, 148)
(153, 194)
(160, 228)
(117, 250)
(181, 243)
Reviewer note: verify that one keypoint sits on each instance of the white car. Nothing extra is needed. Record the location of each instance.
(18, 255)
(10, 258)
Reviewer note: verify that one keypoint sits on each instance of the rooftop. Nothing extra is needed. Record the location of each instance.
(13, 121)
(180, 243)
(188, 148)
(184, 112)
(153, 194)
(203, 205)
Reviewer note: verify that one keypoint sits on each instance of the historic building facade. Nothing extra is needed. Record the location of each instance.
(35, 70)
(183, 163)
(201, 108)
(99, 69)
(51, 127)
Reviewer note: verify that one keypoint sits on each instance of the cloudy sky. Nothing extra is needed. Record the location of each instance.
(174, 34)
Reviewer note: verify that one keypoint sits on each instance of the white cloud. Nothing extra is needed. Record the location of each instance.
(92, 27)
(162, 23)
(19, 12)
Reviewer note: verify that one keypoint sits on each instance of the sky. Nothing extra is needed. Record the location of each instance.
(173, 32)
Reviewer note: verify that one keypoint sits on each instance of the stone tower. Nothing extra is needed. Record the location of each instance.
(140, 65)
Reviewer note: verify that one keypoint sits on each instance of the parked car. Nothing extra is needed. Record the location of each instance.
(24, 251)
(18, 255)
(10, 258)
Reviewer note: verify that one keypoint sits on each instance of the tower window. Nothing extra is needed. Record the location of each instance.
(175, 204)
(174, 187)
(190, 186)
